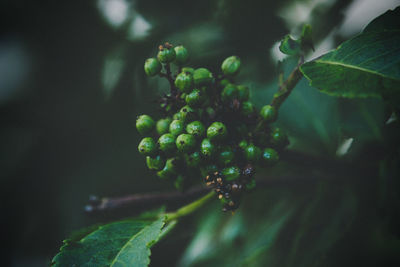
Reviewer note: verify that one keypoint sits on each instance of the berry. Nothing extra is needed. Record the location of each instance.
(229, 93)
(166, 53)
(270, 156)
(152, 67)
(243, 144)
(144, 124)
(195, 98)
(252, 153)
(268, 113)
(226, 156)
(166, 142)
(217, 131)
(155, 163)
(185, 142)
(184, 82)
(195, 128)
(147, 146)
(224, 82)
(162, 126)
(202, 76)
(177, 116)
(181, 55)
(193, 160)
(207, 148)
(243, 92)
(187, 113)
(278, 138)
(231, 65)
(247, 108)
(231, 173)
(176, 127)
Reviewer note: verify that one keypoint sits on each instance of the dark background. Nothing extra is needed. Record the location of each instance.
(72, 83)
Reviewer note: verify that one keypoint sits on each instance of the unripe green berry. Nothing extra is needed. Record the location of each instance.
(268, 113)
(202, 76)
(166, 55)
(155, 163)
(176, 116)
(196, 128)
(152, 67)
(252, 153)
(229, 93)
(169, 169)
(270, 156)
(226, 156)
(187, 113)
(147, 146)
(166, 142)
(207, 148)
(144, 124)
(181, 55)
(184, 82)
(217, 131)
(176, 127)
(162, 126)
(231, 65)
(188, 69)
(247, 108)
(224, 82)
(193, 160)
(195, 98)
(243, 92)
(243, 144)
(231, 173)
(209, 169)
(185, 142)
(278, 138)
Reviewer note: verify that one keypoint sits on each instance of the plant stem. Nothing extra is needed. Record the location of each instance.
(190, 208)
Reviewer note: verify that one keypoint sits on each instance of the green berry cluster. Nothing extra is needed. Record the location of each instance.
(210, 130)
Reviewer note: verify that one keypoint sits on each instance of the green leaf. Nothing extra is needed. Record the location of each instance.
(390, 20)
(366, 66)
(290, 46)
(124, 243)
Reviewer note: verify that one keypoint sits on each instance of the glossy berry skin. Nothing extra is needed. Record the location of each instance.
(162, 126)
(252, 153)
(147, 146)
(231, 173)
(226, 156)
(193, 159)
(181, 55)
(176, 127)
(184, 82)
(278, 138)
(207, 148)
(144, 124)
(268, 113)
(152, 67)
(185, 142)
(231, 66)
(229, 93)
(247, 108)
(270, 156)
(243, 92)
(166, 143)
(196, 128)
(169, 169)
(217, 131)
(187, 113)
(155, 163)
(194, 98)
(202, 76)
(166, 55)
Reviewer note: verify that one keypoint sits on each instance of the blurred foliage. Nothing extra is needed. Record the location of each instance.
(76, 82)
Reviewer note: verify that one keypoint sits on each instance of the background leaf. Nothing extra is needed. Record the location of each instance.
(367, 65)
(124, 243)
